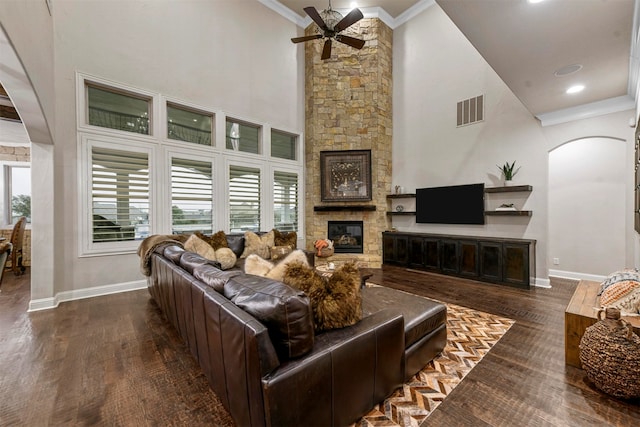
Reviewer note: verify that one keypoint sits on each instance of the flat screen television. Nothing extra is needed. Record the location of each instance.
(456, 204)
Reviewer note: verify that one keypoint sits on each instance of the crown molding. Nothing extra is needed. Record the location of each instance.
(585, 111)
(287, 13)
(368, 12)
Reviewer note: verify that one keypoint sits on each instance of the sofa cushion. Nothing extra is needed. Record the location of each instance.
(214, 277)
(285, 312)
(259, 245)
(190, 260)
(173, 253)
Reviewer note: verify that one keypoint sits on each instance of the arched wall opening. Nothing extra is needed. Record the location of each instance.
(587, 208)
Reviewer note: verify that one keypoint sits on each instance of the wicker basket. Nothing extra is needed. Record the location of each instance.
(325, 252)
(610, 356)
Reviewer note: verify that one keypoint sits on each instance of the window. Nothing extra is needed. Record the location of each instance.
(191, 196)
(189, 126)
(18, 192)
(285, 201)
(119, 195)
(283, 145)
(115, 110)
(243, 137)
(244, 199)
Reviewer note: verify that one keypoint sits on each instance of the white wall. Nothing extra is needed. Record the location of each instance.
(435, 67)
(587, 206)
(233, 55)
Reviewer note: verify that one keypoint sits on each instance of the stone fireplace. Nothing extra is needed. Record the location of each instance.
(348, 105)
(346, 236)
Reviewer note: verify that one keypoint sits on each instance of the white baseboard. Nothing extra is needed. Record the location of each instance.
(542, 283)
(576, 276)
(47, 303)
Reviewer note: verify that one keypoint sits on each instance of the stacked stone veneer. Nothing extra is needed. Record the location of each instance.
(348, 107)
(14, 154)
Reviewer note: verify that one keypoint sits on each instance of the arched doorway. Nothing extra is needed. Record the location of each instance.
(16, 81)
(587, 207)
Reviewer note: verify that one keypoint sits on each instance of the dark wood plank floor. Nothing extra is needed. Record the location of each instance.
(113, 360)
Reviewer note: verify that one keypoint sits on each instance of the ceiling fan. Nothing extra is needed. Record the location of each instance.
(332, 23)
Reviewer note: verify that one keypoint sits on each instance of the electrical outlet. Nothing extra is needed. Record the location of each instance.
(556, 261)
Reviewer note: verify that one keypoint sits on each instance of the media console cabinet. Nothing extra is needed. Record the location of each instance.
(496, 260)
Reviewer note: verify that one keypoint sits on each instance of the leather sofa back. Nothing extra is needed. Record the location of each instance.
(286, 312)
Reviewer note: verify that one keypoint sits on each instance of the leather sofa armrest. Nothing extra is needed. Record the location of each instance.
(347, 373)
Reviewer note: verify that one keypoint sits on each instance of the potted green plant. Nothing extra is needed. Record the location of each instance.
(508, 171)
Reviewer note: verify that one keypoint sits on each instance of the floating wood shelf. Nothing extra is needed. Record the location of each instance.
(343, 208)
(509, 189)
(401, 213)
(508, 213)
(401, 196)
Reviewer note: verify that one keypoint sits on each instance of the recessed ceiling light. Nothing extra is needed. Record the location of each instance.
(353, 5)
(568, 69)
(575, 89)
(535, 1)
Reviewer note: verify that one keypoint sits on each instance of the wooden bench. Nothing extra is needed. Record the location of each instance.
(580, 314)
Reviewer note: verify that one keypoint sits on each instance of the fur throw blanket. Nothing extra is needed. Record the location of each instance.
(149, 244)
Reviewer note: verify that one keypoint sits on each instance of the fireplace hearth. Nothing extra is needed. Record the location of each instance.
(347, 236)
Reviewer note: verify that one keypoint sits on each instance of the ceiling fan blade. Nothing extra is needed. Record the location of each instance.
(326, 51)
(313, 14)
(353, 42)
(352, 17)
(306, 38)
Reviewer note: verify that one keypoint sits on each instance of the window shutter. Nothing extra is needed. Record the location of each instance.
(285, 201)
(120, 194)
(244, 198)
(191, 196)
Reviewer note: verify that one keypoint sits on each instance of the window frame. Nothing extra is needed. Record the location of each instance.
(170, 154)
(7, 166)
(87, 246)
(166, 102)
(160, 149)
(83, 81)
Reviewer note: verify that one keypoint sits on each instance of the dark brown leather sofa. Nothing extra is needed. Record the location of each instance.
(253, 338)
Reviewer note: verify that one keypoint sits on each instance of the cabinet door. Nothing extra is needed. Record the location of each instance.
(491, 261)
(402, 250)
(416, 252)
(449, 261)
(388, 248)
(431, 257)
(515, 259)
(468, 256)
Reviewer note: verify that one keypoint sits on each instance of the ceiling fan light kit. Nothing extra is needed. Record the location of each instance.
(331, 23)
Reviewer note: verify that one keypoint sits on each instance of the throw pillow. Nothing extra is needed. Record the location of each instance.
(199, 246)
(226, 258)
(285, 239)
(277, 272)
(219, 240)
(624, 296)
(619, 276)
(301, 276)
(336, 301)
(257, 266)
(259, 245)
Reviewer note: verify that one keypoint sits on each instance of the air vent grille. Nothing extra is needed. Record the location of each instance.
(470, 111)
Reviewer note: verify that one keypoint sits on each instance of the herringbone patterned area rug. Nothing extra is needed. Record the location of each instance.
(470, 336)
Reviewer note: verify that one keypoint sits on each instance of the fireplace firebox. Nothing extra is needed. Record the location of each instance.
(347, 236)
